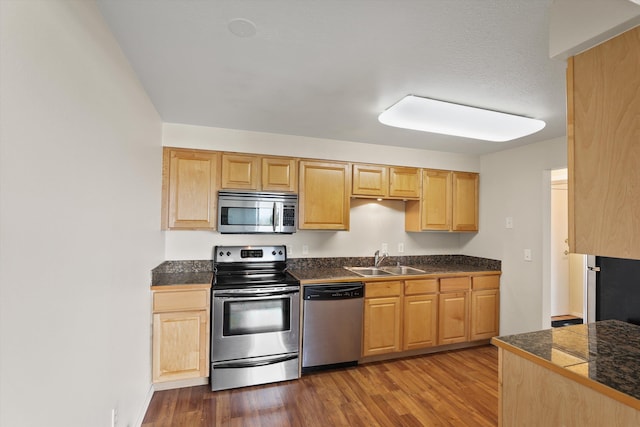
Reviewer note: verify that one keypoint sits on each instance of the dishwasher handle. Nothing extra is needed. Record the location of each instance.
(333, 292)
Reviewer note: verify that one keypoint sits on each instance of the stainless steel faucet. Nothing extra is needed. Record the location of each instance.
(377, 259)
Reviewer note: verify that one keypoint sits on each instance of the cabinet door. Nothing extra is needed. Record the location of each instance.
(180, 349)
(453, 317)
(404, 182)
(436, 200)
(370, 180)
(465, 201)
(323, 199)
(603, 131)
(485, 314)
(240, 172)
(279, 174)
(420, 321)
(189, 187)
(382, 317)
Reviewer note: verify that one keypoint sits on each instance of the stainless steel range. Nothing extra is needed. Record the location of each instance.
(255, 317)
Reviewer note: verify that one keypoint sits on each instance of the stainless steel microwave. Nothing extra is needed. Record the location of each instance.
(257, 212)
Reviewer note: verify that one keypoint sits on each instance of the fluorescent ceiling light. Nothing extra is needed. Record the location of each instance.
(429, 115)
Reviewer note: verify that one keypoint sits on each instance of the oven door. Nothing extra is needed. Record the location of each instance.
(255, 322)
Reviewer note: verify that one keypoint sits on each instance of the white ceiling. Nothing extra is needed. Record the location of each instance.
(327, 68)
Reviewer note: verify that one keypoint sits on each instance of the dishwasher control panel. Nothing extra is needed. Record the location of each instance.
(333, 292)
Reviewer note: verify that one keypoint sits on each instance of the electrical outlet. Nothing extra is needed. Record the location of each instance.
(508, 222)
(289, 251)
(305, 250)
(400, 248)
(384, 248)
(114, 417)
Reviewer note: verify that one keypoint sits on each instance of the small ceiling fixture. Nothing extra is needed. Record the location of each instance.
(242, 27)
(430, 115)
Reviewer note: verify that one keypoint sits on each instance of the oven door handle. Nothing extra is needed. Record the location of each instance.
(257, 295)
(255, 364)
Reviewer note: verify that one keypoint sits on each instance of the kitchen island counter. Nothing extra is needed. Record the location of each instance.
(575, 375)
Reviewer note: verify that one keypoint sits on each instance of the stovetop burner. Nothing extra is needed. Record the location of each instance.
(238, 267)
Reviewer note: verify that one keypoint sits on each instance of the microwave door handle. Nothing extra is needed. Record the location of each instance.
(275, 216)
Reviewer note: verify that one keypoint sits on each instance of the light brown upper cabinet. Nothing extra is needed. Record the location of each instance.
(465, 201)
(323, 200)
(253, 172)
(189, 189)
(240, 171)
(603, 130)
(279, 174)
(449, 202)
(385, 181)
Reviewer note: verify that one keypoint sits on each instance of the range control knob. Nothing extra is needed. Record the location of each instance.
(279, 252)
(221, 253)
(273, 252)
(228, 253)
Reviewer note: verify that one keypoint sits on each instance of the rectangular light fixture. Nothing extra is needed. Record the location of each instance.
(430, 115)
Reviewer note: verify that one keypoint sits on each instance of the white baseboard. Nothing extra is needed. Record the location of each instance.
(145, 406)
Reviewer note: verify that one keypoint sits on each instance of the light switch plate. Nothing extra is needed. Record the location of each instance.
(527, 254)
(508, 222)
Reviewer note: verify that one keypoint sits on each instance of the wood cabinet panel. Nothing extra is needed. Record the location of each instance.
(485, 314)
(436, 200)
(383, 289)
(180, 300)
(453, 317)
(382, 323)
(448, 284)
(465, 201)
(404, 182)
(240, 171)
(279, 174)
(324, 195)
(189, 189)
(180, 349)
(420, 286)
(370, 180)
(420, 321)
(485, 282)
(603, 88)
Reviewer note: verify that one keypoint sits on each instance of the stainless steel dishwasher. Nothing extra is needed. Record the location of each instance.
(332, 325)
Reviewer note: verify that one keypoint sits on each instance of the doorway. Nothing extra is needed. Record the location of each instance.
(567, 270)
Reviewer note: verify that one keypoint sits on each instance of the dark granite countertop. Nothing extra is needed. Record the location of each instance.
(193, 272)
(340, 273)
(607, 352)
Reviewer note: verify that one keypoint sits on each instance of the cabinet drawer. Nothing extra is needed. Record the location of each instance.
(455, 284)
(180, 300)
(485, 282)
(383, 289)
(420, 286)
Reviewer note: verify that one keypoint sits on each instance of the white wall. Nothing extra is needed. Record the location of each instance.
(372, 222)
(516, 183)
(79, 221)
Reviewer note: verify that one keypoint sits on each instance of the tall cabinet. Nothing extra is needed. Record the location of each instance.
(603, 100)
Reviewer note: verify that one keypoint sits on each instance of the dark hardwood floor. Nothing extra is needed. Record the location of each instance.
(455, 388)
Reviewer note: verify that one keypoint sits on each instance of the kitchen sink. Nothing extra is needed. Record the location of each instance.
(369, 271)
(402, 270)
(399, 270)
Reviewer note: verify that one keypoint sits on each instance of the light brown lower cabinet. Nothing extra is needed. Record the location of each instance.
(420, 318)
(419, 313)
(382, 318)
(453, 317)
(180, 335)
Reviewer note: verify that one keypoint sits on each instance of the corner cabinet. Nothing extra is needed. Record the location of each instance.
(189, 189)
(603, 113)
(180, 335)
(324, 201)
(449, 202)
(485, 307)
